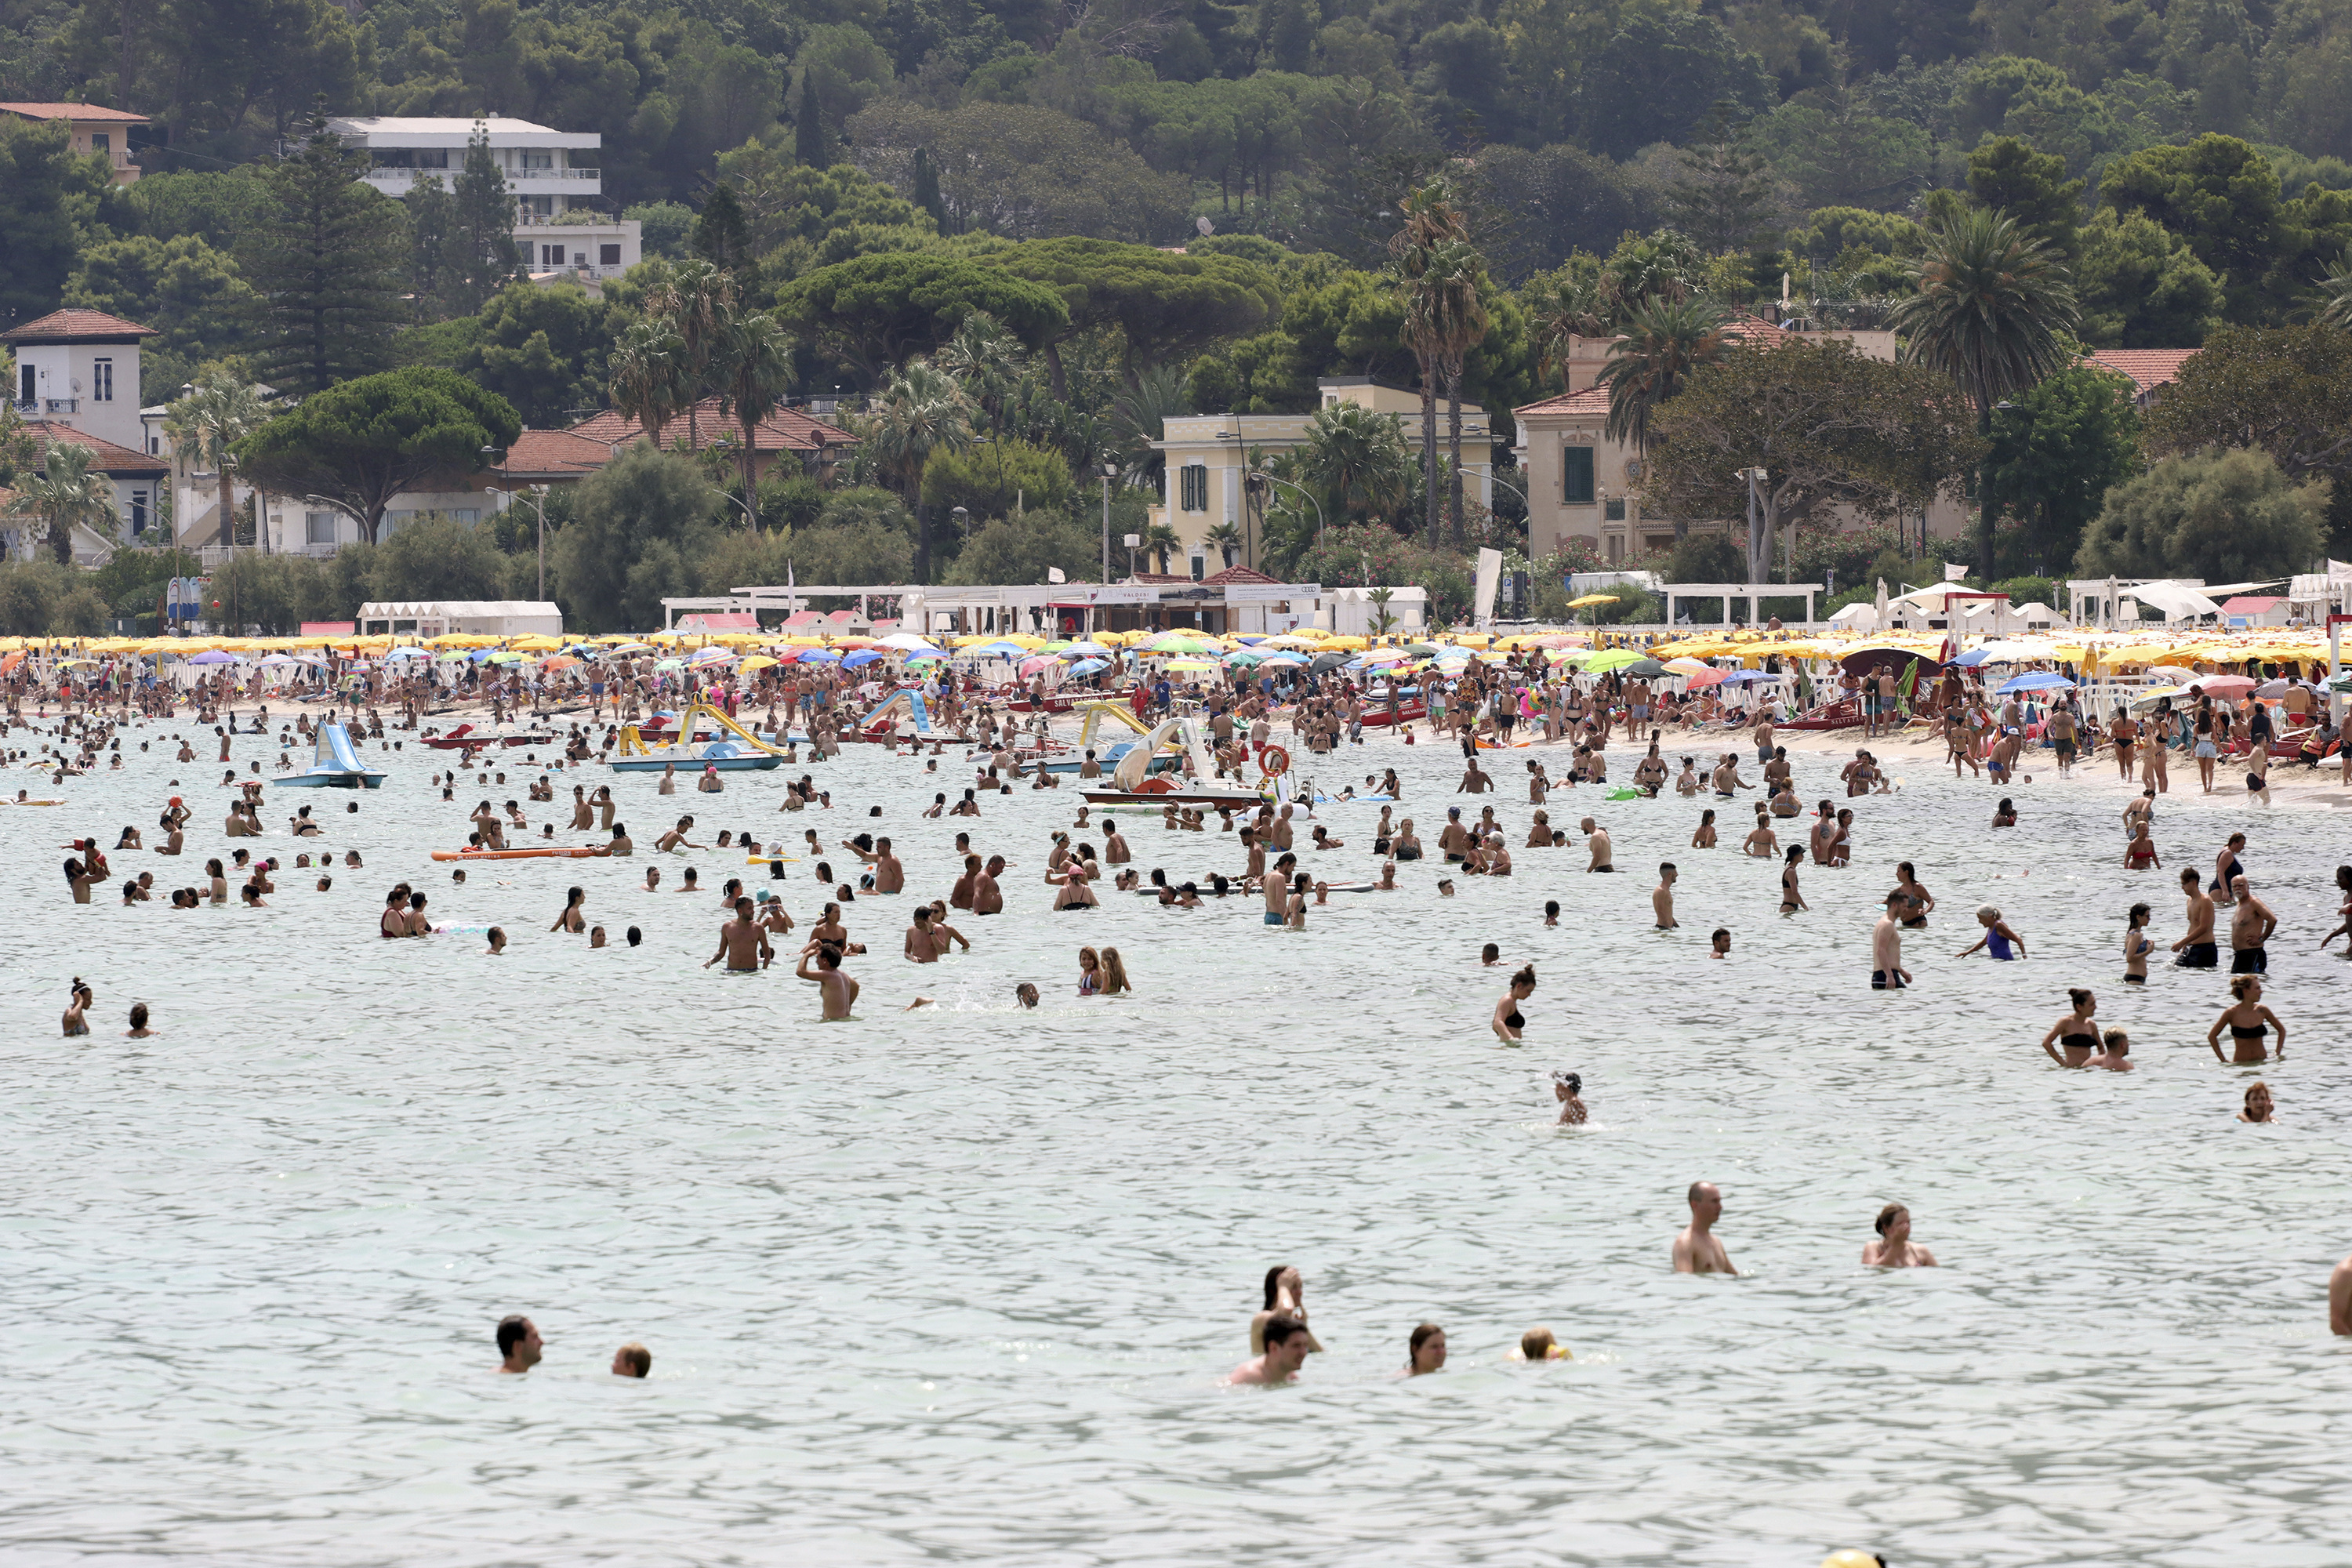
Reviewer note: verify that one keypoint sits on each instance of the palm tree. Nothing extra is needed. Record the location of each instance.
(646, 378)
(986, 359)
(693, 303)
(2336, 284)
(1566, 308)
(1161, 541)
(754, 364)
(65, 494)
(1665, 343)
(1227, 537)
(1456, 280)
(921, 411)
(1431, 220)
(219, 411)
(1357, 460)
(1992, 302)
(1140, 415)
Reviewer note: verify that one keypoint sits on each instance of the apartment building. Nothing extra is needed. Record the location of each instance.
(560, 218)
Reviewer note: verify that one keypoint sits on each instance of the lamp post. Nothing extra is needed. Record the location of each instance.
(962, 516)
(538, 504)
(1109, 472)
(1321, 527)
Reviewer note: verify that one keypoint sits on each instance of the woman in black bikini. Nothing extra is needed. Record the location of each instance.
(1907, 882)
(2245, 1019)
(1791, 900)
(2075, 1034)
(1508, 1021)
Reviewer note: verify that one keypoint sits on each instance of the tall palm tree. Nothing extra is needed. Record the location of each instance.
(921, 411)
(987, 361)
(1161, 541)
(1991, 302)
(67, 493)
(1456, 279)
(647, 379)
(754, 365)
(1227, 537)
(1664, 342)
(219, 411)
(694, 302)
(1431, 220)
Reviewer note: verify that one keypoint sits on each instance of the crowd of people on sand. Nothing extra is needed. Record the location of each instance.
(1481, 709)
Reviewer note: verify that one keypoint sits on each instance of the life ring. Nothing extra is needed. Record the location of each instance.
(1275, 761)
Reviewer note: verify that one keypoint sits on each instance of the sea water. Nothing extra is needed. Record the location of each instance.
(960, 1284)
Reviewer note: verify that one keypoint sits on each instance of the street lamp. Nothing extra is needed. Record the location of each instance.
(1109, 472)
(1321, 529)
(963, 521)
(538, 494)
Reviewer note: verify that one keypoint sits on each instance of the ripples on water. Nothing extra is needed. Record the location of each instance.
(958, 1284)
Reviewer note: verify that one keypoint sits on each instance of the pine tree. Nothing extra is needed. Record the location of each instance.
(722, 235)
(327, 268)
(1726, 194)
(482, 228)
(432, 241)
(808, 127)
(927, 189)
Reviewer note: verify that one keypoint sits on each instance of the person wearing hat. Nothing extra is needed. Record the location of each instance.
(710, 784)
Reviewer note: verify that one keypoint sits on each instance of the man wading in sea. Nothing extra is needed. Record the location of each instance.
(1696, 1251)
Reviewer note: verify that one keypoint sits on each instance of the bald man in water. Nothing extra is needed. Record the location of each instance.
(1696, 1251)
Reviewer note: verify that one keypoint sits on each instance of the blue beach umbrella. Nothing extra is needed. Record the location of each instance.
(863, 656)
(2040, 680)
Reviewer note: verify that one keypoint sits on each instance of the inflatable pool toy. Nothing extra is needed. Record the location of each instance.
(552, 852)
(335, 766)
(1627, 794)
(772, 860)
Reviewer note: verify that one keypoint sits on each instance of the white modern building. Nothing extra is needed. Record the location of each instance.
(557, 222)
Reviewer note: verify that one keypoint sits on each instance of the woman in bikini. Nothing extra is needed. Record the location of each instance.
(2075, 1034)
(78, 1005)
(2246, 1019)
(1508, 1020)
(1791, 900)
(571, 919)
(1089, 973)
(1907, 882)
(2139, 855)
(2137, 945)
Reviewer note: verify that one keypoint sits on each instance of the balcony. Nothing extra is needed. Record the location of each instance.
(36, 407)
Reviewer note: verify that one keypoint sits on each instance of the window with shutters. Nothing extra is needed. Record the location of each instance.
(1576, 476)
(1193, 488)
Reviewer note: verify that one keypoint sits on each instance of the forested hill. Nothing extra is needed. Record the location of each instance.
(1129, 118)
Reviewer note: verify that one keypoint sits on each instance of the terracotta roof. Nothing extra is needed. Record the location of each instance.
(86, 112)
(2148, 368)
(76, 326)
(106, 457)
(564, 454)
(1233, 576)
(784, 430)
(1593, 401)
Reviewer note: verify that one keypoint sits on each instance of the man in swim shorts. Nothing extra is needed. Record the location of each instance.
(742, 943)
(2196, 949)
(1886, 971)
(1596, 840)
(2251, 925)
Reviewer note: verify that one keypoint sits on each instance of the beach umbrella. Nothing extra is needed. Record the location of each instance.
(1324, 661)
(664, 665)
(1705, 679)
(1646, 667)
(758, 661)
(557, 662)
(909, 641)
(1419, 649)
(1192, 665)
(1036, 662)
(2267, 688)
(2171, 672)
(274, 661)
(1610, 659)
(1971, 660)
(928, 656)
(1088, 665)
(214, 656)
(862, 657)
(1003, 648)
(2040, 680)
(1286, 657)
(710, 655)
(1085, 650)
(407, 653)
(2223, 685)
(1688, 666)
(1749, 678)
(819, 656)
(631, 647)
(1591, 599)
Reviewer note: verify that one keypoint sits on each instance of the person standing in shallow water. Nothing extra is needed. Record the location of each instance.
(1697, 1249)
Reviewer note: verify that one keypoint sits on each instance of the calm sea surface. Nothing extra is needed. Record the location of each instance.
(960, 1284)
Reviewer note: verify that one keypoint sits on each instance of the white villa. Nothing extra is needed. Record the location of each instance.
(562, 231)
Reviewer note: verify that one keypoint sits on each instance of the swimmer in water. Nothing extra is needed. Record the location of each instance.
(2073, 1034)
(2117, 1055)
(1567, 1089)
(1537, 1345)
(1424, 1350)
(519, 1345)
(1719, 942)
(1286, 1347)
(1997, 938)
(2137, 945)
(2246, 1019)
(838, 991)
(2258, 1107)
(1662, 897)
(1894, 1248)
(1696, 1250)
(1508, 1021)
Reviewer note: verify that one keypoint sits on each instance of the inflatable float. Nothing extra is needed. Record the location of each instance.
(336, 766)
